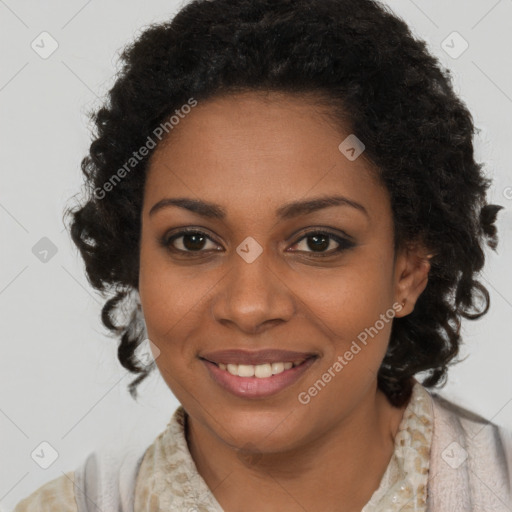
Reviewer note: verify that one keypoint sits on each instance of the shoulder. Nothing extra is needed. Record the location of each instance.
(470, 461)
(105, 478)
(54, 496)
(476, 431)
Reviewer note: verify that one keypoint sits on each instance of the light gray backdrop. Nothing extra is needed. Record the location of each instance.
(61, 382)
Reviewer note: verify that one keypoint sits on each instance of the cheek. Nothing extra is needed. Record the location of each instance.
(172, 318)
(175, 300)
(172, 313)
(169, 298)
(350, 298)
(352, 306)
(355, 314)
(164, 292)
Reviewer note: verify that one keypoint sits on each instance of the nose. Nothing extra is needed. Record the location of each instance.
(253, 296)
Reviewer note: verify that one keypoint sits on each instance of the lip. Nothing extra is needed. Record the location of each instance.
(234, 356)
(254, 387)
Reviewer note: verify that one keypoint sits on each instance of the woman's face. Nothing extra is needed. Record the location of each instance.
(268, 267)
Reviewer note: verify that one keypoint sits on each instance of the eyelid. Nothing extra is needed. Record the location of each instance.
(339, 233)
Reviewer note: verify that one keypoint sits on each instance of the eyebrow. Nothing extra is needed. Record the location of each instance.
(287, 211)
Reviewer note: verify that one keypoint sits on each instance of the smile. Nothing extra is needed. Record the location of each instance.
(257, 381)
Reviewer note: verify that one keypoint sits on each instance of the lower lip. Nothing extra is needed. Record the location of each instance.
(254, 387)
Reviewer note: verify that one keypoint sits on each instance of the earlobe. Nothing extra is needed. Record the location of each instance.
(412, 270)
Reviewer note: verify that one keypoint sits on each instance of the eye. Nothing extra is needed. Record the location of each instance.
(321, 243)
(189, 241)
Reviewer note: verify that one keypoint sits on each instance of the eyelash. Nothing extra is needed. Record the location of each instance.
(343, 243)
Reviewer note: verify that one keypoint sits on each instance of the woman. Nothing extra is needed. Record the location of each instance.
(285, 194)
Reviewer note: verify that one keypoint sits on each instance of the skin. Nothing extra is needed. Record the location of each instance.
(251, 153)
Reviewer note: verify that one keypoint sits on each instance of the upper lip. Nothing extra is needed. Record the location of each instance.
(234, 356)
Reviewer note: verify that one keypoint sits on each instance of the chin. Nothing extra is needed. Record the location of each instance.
(260, 431)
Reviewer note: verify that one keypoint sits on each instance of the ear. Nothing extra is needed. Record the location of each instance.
(412, 267)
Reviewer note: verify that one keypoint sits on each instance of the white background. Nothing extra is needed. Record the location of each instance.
(61, 381)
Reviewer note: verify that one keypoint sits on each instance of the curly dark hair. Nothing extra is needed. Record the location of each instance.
(362, 62)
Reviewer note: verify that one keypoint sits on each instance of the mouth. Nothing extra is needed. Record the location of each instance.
(274, 371)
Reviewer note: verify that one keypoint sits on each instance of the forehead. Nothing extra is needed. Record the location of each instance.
(260, 150)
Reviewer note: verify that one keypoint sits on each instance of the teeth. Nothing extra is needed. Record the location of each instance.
(263, 370)
(260, 371)
(245, 370)
(277, 368)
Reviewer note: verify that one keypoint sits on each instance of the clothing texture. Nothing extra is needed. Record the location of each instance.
(445, 459)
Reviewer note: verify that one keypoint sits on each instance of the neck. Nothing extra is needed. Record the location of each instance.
(342, 466)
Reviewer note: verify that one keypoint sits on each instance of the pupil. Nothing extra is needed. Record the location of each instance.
(320, 242)
(197, 241)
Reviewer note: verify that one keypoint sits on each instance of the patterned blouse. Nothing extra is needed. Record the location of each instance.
(168, 479)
